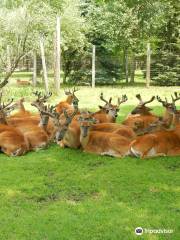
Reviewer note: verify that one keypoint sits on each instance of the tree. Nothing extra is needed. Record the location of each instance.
(166, 67)
(14, 26)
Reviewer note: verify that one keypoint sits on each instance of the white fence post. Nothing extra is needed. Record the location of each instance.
(93, 66)
(57, 70)
(148, 65)
(34, 69)
(44, 64)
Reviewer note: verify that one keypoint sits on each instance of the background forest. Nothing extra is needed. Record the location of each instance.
(120, 30)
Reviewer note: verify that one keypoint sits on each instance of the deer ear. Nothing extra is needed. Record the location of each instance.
(100, 107)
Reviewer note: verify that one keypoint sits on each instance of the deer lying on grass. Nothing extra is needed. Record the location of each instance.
(45, 123)
(141, 116)
(109, 112)
(70, 130)
(12, 142)
(159, 143)
(22, 82)
(67, 104)
(170, 109)
(24, 116)
(34, 129)
(167, 120)
(103, 143)
(62, 123)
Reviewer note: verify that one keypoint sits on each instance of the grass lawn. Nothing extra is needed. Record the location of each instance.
(65, 194)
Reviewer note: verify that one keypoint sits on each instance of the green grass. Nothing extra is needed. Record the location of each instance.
(66, 194)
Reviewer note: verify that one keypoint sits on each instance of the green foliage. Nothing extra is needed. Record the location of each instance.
(118, 28)
(166, 67)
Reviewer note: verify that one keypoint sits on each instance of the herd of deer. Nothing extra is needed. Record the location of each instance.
(142, 134)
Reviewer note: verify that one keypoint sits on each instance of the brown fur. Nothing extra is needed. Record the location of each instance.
(165, 143)
(105, 143)
(12, 142)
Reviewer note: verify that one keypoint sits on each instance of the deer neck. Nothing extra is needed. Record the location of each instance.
(176, 119)
(84, 140)
(44, 124)
(3, 119)
(69, 99)
(168, 117)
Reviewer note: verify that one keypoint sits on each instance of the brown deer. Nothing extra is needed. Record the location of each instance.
(159, 143)
(12, 142)
(109, 112)
(45, 123)
(67, 104)
(70, 133)
(34, 130)
(22, 82)
(170, 108)
(141, 116)
(103, 143)
(62, 122)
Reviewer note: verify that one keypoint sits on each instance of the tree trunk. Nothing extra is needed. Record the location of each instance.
(126, 65)
(148, 65)
(8, 59)
(93, 66)
(57, 56)
(34, 69)
(44, 64)
(133, 66)
(39, 65)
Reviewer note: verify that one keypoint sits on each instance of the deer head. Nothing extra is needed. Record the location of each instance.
(141, 107)
(70, 94)
(170, 106)
(111, 109)
(61, 126)
(86, 120)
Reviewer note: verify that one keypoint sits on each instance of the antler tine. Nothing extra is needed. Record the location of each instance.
(42, 98)
(161, 101)
(52, 108)
(149, 101)
(46, 96)
(75, 90)
(49, 110)
(110, 99)
(124, 99)
(177, 97)
(4, 106)
(38, 94)
(138, 96)
(102, 98)
(67, 92)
